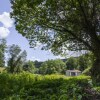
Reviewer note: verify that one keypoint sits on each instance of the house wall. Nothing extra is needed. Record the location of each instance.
(69, 73)
(78, 73)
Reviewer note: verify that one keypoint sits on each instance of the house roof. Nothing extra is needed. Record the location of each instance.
(73, 70)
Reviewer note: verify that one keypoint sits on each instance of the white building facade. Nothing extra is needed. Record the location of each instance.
(73, 72)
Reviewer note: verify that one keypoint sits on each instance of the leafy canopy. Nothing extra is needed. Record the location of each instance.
(71, 63)
(53, 67)
(59, 24)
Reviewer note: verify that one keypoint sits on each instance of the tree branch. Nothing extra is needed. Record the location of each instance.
(84, 15)
(70, 32)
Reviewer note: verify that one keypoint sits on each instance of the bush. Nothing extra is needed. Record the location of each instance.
(87, 71)
(25, 86)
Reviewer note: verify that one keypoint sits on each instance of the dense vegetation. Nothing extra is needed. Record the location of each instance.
(2, 52)
(17, 61)
(61, 25)
(23, 80)
(53, 67)
(26, 86)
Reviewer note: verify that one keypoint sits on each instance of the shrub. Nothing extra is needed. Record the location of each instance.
(25, 86)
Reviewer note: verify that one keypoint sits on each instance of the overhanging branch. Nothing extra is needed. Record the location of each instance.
(70, 32)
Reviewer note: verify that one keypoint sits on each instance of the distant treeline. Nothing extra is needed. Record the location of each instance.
(17, 61)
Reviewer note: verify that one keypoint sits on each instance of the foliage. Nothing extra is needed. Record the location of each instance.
(85, 61)
(37, 63)
(2, 52)
(29, 66)
(2, 69)
(26, 86)
(87, 71)
(16, 58)
(71, 63)
(53, 66)
(61, 25)
(72, 22)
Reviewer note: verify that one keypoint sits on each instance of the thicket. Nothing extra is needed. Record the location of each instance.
(26, 86)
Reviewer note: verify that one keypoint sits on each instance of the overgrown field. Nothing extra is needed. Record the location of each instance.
(26, 86)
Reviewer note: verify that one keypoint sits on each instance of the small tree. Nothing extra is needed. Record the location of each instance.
(16, 59)
(2, 52)
(29, 66)
(85, 61)
(71, 63)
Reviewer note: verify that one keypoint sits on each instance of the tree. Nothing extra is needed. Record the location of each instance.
(37, 63)
(52, 67)
(84, 61)
(2, 52)
(29, 66)
(71, 63)
(61, 24)
(16, 58)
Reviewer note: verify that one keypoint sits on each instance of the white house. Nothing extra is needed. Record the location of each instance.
(73, 72)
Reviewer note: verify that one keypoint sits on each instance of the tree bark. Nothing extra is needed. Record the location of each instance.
(95, 70)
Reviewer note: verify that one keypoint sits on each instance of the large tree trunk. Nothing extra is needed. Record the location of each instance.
(95, 71)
